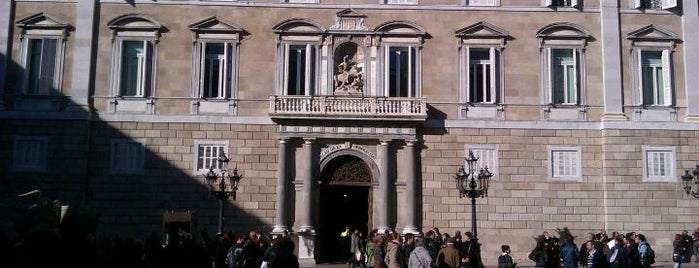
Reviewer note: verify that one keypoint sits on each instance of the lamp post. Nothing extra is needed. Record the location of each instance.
(473, 185)
(688, 179)
(220, 188)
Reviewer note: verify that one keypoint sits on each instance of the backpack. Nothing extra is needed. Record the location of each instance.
(650, 254)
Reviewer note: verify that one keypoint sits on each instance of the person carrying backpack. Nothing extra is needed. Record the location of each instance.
(236, 254)
(647, 253)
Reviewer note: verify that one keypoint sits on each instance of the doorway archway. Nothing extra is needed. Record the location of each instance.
(345, 200)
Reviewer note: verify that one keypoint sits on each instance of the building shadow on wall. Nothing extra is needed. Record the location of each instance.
(67, 153)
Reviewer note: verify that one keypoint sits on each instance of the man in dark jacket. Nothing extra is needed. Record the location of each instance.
(595, 256)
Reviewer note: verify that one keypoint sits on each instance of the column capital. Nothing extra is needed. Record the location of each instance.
(385, 141)
(308, 140)
(411, 142)
(283, 140)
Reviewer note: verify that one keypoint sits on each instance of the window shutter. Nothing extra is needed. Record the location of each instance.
(467, 72)
(202, 66)
(387, 71)
(668, 4)
(147, 69)
(576, 76)
(549, 73)
(285, 82)
(639, 76)
(48, 64)
(667, 77)
(575, 3)
(547, 3)
(411, 72)
(226, 70)
(637, 4)
(492, 75)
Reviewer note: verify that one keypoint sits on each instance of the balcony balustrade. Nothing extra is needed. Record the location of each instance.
(348, 108)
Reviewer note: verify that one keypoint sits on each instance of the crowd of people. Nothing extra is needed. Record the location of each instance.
(629, 250)
(441, 250)
(428, 250)
(78, 248)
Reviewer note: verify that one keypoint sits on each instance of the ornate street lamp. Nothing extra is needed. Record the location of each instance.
(473, 185)
(688, 179)
(220, 188)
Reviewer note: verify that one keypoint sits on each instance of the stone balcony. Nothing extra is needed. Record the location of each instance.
(347, 108)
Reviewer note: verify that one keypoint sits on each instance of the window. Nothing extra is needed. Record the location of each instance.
(655, 4)
(565, 163)
(654, 73)
(658, 163)
(480, 69)
(563, 71)
(207, 153)
(400, 71)
(29, 154)
(135, 68)
(298, 57)
(481, 3)
(300, 62)
(399, 59)
(564, 76)
(561, 3)
(487, 157)
(215, 59)
(483, 73)
(42, 53)
(128, 156)
(401, 2)
(134, 57)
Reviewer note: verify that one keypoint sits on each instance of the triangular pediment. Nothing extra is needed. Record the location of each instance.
(42, 20)
(652, 32)
(482, 29)
(214, 24)
(563, 30)
(349, 13)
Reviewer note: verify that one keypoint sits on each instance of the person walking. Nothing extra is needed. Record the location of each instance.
(595, 256)
(420, 256)
(394, 254)
(569, 253)
(505, 260)
(448, 256)
(679, 251)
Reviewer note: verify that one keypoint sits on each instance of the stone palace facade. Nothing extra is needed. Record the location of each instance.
(355, 112)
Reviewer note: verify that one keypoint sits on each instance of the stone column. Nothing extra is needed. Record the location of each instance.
(307, 231)
(411, 186)
(308, 182)
(83, 70)
(690, 20)
(282, 184)
(5, 21)
(385, 195)
(611, 61)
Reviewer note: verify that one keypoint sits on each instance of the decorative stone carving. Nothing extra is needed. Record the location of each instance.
(349, 79)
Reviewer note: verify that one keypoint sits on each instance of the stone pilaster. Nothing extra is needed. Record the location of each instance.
(83, 72)
(690, 20)
(611, 61)
(5, 20)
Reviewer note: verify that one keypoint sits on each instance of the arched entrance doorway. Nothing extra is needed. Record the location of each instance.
(345, 200)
